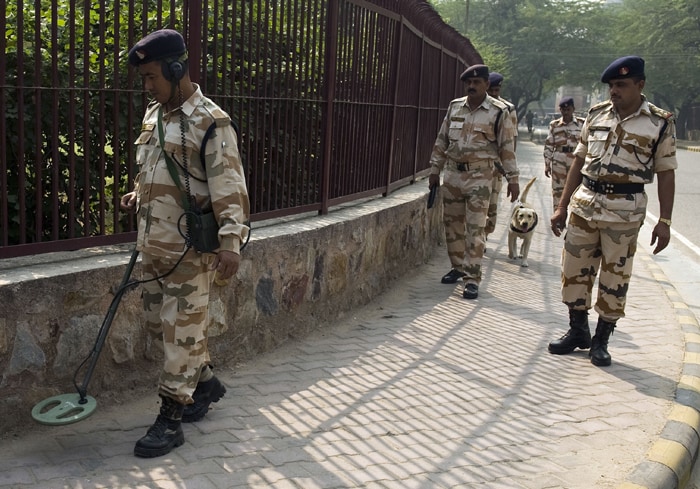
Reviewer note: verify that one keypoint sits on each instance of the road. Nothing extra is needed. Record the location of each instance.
(681, 260)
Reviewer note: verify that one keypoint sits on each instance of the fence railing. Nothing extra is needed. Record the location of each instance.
(336, 100)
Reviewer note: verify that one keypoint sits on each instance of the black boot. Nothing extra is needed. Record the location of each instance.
(206, 392)
(599, 345)
(578, 336)
(166, 432)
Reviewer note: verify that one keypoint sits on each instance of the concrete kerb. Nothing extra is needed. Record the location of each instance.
(689, 147)
(669, 462)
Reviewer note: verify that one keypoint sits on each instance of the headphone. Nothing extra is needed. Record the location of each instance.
(174, 69)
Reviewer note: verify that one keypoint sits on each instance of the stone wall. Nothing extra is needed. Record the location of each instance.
(296, 276)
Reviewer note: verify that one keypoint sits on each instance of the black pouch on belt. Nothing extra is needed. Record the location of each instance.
(203, 230)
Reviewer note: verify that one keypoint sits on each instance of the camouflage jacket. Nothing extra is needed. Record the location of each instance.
(562, 135)
(217, 183)
(468, 136)
(627, 151)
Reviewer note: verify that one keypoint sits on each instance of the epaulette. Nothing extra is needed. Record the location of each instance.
(511, 105)
(664, 114)
(219, 115)
(499, 103)
(222, 121)
(599, 106)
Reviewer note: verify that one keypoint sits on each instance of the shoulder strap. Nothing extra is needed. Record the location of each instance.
(202, 151)
(208, 134)
(496, 124)
(658, 140)
(666, 116)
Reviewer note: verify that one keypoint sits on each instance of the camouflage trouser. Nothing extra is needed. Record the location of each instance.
(176, 310)
(465, 199)
(559, 172)
(589, 245)
(496, 187)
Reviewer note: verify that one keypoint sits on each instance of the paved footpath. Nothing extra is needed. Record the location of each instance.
(421, 389)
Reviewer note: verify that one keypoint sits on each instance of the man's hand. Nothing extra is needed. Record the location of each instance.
(558, 220)
(226, 264)
(661, 235)
(513, 191)
(128, 202)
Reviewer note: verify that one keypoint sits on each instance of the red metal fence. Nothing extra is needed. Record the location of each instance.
(336, 99)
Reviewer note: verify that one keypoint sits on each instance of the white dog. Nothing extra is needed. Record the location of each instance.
(523, 221)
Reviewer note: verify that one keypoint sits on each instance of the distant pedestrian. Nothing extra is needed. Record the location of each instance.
(494, 90)
(476, 134)
(560, 145)
(624, 143)
(529, 118)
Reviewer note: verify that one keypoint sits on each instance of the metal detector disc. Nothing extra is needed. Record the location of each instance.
(63, 409)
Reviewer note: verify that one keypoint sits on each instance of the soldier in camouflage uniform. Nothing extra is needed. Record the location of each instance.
(476, 134)
(559, 146)
(494, 90)
(178, 278)
(624, 143)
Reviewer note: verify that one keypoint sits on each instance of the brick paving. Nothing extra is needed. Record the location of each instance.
(420, 389)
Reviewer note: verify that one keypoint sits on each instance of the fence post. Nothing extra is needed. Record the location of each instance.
(193, 36)
(329, 88)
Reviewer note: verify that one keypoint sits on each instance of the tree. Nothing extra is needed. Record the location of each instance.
(543, 44)
(536, 44)
(667, 36)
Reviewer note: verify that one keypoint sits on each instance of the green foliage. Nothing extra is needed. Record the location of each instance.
(59, 160)
(265, 69)
(536, 44)
(667, 36)
(550, 43)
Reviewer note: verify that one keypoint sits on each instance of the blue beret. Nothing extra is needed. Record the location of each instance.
(566, 101)
(159, 45)
(475, 71)
(495, 79)
(625, 67)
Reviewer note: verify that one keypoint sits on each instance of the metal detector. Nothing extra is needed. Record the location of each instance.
(71, 408)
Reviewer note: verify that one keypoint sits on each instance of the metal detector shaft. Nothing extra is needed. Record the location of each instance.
(104, 329)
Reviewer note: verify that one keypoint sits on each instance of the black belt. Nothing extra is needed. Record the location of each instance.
(566, 149)
(613, 188)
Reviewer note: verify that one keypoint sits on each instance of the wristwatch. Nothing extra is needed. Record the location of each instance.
(665, 221)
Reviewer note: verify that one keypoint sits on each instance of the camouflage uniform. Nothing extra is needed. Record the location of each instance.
(497, 183)
(603, 229)
(559, 152)
(176, 305)
(468, 147)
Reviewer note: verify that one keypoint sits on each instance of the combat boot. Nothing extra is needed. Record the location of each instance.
(578, 336)
(165, 434)
(206, 392)
(599, 345)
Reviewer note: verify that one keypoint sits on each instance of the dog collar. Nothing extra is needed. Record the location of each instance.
(519, 231)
